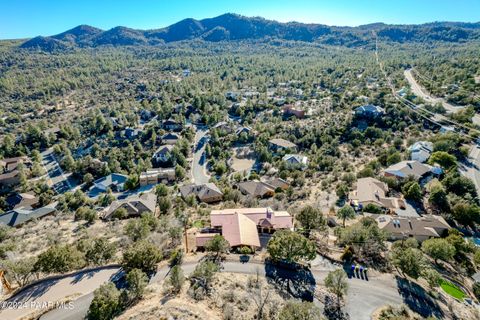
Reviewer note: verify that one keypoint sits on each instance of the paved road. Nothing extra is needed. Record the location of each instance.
(363, 298)
(50, 291)
(419, 91)
(58, 180)
(199, 165)
(472, 168)
(78, 312)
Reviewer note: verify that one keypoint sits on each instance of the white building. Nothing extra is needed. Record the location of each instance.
(296, 160)
(420, 151)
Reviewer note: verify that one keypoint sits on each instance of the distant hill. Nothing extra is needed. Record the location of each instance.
(231, 27)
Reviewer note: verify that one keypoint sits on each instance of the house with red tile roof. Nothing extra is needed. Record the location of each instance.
(242, 226)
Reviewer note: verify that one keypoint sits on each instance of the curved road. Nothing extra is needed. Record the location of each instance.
(35, 299)
(419, 91)
(363, 297)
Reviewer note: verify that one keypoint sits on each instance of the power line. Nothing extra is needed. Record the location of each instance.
(413, 107)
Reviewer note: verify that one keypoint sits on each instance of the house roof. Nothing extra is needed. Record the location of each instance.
(239, 226)
(171, 122)
(158, 172)
(429, 226)
(279, 219)
(202, 191)
(12, 163)
(295, 159)
(406, 168)
(277, 183)
(426, 146)
(242, 129)
(255, 188)
(371, 190)
(149, 200)
(20, 216)
(164, 149)
(238, 230)
(370, 108)
(6, 161)
(282, 143)
(25, 200)
(170, 136)
(220, 124)
(111, 179)
(9, 175)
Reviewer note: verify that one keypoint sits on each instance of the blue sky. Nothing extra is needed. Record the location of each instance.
(29, 18)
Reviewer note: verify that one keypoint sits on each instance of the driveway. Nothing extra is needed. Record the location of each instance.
(36, 298)
(198, 172)
(57, 179)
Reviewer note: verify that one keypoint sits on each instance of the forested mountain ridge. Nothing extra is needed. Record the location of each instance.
(231, 27)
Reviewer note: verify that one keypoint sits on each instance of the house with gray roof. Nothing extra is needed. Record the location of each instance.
(18, 217)
(114, 182)
(411, 168)
(135, 206)
(163, 154)
(279, 144)
(420, 151)
(420, 228)
(296, 160)
(369, 111)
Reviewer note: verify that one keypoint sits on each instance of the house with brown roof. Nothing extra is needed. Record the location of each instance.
(420, 228)
(207, 192)
(278, 144)
(27, 200)
(257, 189)
(135, 206)
(241, 227)
(262, 189)
(290, 110)
(278, 183)
(9, 179)
(10, 164)
(372, 191)
(9, 170)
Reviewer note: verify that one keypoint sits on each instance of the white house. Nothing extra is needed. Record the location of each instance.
(369, 111)
(420, 151)
(296, 160)
(163, 153)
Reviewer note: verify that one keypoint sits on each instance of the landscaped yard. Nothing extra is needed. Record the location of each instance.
(452, 289)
